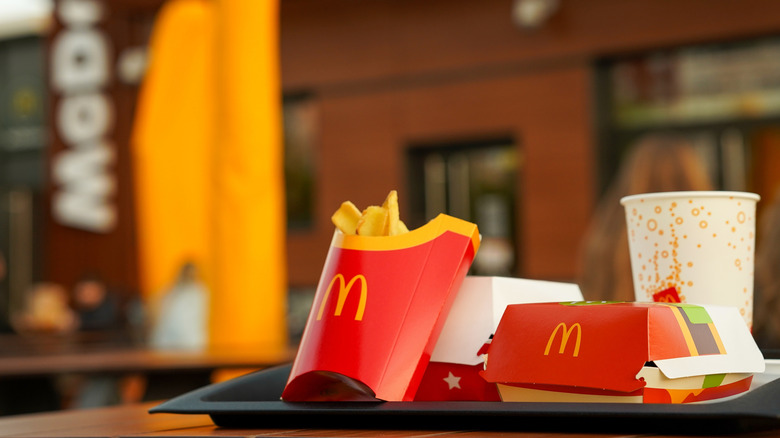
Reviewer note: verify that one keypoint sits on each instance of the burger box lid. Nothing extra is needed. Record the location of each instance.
(478, 308)
(602, 345)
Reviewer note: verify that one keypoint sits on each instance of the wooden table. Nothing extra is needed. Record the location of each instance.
(134, 421)
(138, 360)
(31, 356)
(54, 368)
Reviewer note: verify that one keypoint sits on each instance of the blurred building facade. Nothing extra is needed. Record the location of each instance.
(512, 114)
(550, 92)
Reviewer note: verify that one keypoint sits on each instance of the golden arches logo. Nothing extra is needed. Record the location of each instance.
(565, 334)
(344, 289)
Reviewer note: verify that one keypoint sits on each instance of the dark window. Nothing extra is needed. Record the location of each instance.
(474, 181)
(300, 135)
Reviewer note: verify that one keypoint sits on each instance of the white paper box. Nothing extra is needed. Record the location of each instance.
(478, 308)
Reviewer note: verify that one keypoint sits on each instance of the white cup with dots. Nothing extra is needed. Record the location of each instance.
(693, 247)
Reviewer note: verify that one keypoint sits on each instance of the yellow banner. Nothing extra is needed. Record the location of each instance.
(208, 160)
(172, 143)
(249, 254)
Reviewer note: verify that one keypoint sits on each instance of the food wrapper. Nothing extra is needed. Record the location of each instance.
(379, 308)
(622, 353)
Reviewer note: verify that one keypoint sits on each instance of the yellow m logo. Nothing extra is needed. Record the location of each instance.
(344, 289)
(565, 333)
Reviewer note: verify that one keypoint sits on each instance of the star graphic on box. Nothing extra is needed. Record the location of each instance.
(465, 378)
(452, 381)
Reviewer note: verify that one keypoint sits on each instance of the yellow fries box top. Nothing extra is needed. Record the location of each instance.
(379, 308)
(621, 352)
(453, 372)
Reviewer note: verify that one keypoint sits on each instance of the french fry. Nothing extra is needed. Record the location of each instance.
(400, 228)
(346, 218)
(395, 225)
(373, 221)
(393, 217)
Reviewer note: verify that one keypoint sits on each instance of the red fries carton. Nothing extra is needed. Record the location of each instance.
(453, 373)
(378, 310)
(621, 352)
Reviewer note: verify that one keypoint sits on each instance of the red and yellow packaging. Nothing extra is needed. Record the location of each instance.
(621, 352)
(379, 308)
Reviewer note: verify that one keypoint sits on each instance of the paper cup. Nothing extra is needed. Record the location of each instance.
(693, 247)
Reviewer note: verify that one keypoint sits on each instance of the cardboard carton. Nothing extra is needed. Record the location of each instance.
(453, 371)
(621, 352)
(379, 308)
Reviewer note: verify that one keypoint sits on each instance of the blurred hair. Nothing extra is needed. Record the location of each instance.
(656, 163)
(90, 277)
(188, 272)
(766, 302)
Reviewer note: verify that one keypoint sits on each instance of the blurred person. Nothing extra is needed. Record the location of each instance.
(656, 163)
(137, 319)
(181, 320)
(99, 310)
(97, 306)
(45, 310)
(766, 302)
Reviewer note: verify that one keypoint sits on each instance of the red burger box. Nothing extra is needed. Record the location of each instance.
(453, 373)
(378, 310)
(621, 352)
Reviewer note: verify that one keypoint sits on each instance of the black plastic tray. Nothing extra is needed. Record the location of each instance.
(253, 401)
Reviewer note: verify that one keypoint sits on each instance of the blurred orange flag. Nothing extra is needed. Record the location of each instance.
(208, 164)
